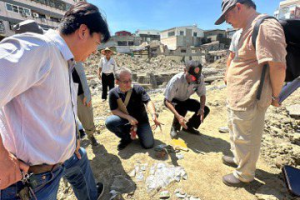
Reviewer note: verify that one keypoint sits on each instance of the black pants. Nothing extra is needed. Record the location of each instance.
(108, 80)
(189, 105)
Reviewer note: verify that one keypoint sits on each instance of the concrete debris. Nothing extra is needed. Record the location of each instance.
(294, 110)
(162, 175)
(224, 130)
(164, 195)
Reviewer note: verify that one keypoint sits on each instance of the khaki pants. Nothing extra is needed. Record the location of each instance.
(85, 115)
(246, 128)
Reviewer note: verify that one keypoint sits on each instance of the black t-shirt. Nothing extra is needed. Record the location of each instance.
(136, 105)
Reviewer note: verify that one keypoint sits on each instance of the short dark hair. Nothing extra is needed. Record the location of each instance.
(249, 3)
(88, 14)
(121, 71)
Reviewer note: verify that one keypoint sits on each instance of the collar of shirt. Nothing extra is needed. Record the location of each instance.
(183, 79)
(60, 43)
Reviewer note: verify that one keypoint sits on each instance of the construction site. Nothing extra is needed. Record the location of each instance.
(126, 173)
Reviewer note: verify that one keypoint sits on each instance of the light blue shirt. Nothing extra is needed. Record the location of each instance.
(37, 98)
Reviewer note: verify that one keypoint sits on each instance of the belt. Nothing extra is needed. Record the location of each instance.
(38, 169)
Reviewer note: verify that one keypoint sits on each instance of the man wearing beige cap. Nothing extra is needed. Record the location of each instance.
(246, 113)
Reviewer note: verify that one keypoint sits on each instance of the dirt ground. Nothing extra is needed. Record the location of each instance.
(202, 162)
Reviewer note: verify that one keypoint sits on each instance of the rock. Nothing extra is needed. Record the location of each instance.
(164, 195)
(294, 111)
(224, 129)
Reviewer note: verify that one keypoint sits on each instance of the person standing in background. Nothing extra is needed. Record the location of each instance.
(106, 71)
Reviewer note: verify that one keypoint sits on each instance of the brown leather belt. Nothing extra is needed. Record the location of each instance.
(38, 169)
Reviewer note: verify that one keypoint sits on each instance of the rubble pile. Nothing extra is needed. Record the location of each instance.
(281, 140)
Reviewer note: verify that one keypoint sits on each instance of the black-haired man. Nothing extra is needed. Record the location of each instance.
(37, 101)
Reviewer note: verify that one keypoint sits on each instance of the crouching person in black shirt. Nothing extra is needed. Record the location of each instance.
(127, 103)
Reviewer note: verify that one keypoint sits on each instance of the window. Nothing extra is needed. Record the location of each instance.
(15, 9)
(195, 34)
(27, 12)
(183, 50)
(54, 19)
(9, 7)
(171, 33)
(181, 33)
(2, 27)
(130, 44)
(120, 43)
(18, 9)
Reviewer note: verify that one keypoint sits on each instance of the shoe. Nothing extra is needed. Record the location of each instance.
(228, 160)
(173, 132)
(191, 130)
(94, 142)
(123, 144)
(103, 100)
(82, 133)
(100, 189)
(232, 181)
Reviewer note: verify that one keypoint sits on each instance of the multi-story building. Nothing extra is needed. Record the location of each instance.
(125, 38)
(288, 9)
(186, 36)
(148, 35)
(215, 35)
(47, 13)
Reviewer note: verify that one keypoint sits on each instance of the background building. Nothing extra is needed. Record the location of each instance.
(288, 9)
(148, 35)
(186, 36)
(125, 38)
(47, 13)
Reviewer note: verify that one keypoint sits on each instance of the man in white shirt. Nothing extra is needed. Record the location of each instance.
(233, 50)
(37, 101)
(106, 71)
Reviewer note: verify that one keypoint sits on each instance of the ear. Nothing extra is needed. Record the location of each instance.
(238, 6)
(83, 31)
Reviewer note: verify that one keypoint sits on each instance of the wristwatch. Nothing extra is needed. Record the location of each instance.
(275, 98)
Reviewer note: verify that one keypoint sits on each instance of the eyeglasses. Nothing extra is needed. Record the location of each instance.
(125, 82)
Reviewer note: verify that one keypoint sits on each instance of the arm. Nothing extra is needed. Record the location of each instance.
(277, 77)
(119, 113)
(180, 118)
(229, 60)
(100, 69)
(87, 94)
(151, 108)
(201, 111)
(10, 168)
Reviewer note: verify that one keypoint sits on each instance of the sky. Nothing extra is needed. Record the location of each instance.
(132, 15)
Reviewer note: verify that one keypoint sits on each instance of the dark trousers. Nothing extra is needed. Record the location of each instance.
(189, 105)
(108, 80)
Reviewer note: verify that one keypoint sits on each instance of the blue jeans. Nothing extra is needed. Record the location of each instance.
(46, 188)
(117, 125)
(77, 172)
